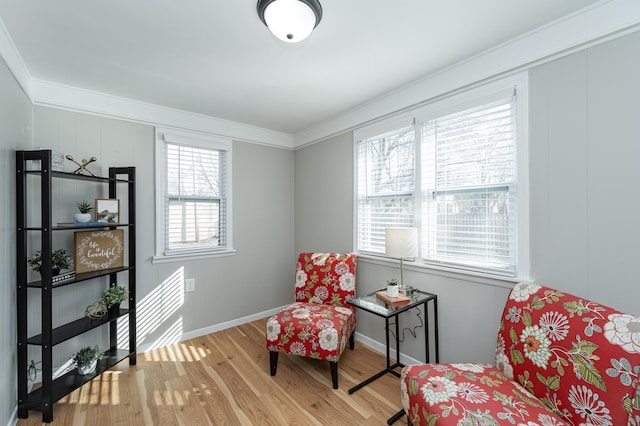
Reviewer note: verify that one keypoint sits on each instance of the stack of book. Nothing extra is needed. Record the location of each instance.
(63, 277)
(400, 300)
(83, 224)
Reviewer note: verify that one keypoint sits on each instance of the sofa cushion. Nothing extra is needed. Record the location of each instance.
(581, 358)
(311, 330)
(328, 278)
(469, 394)
(560, 359)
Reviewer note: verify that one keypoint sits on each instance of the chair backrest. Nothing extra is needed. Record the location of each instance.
(326, 278)
(581, 358)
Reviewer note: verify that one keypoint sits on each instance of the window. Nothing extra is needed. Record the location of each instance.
(469, 184)
(194, 204)
(450, 169)
(386, 186)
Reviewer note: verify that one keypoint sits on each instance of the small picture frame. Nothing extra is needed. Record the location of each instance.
(108, 210)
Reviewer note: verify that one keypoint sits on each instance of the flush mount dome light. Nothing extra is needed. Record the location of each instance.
(290, 20)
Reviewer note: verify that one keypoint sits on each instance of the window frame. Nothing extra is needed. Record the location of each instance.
(195, 140)
(382, 196)
(456, 102)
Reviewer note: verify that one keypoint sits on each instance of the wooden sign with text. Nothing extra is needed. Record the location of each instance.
(98, 250)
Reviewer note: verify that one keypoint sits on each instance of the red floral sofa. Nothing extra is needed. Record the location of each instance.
(320, 321)
(560, 360)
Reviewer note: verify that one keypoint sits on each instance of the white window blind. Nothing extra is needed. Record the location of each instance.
(456, 169)
(386, 186)
(195, 208)
(469, 188)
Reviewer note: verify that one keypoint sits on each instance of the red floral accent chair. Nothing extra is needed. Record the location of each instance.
(561, 360)
(320, 321)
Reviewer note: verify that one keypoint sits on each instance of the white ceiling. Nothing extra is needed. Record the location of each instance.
(215, 57)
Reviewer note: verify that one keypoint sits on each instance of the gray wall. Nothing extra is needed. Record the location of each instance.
(256, 279)
(585, 124)
(324, 196)
(15, 133)
(584, 127)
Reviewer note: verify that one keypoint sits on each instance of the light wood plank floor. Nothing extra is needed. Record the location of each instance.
(223, 379)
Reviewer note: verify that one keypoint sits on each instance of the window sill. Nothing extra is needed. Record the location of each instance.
(453, 273)
(191, 256)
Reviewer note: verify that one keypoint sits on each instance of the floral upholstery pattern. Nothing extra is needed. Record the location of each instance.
(560, 360)
(319, 323)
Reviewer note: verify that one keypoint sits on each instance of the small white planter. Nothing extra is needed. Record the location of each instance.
(83, 370)
(82, 217)
(392, 290)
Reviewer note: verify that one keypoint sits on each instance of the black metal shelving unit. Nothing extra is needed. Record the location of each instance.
(51, 390)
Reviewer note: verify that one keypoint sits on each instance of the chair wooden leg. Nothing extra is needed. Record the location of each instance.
(273, 361)
(352, 340)
(334, 373)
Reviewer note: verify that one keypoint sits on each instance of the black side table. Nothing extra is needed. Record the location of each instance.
(371, 303)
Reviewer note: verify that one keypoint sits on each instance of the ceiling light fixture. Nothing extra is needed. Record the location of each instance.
(290, 20)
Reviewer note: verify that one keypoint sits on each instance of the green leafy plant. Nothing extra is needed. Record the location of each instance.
(113, 296)
(87, 355)
(84, 206)
(392, 281)
(60, 260)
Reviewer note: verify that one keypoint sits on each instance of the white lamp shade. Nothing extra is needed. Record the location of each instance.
(401, 242)
(290, 20)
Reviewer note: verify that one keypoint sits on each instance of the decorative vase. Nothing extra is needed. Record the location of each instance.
(392, 290)
(54, 272)
(82, 217)
(114, 310)
(83, 370)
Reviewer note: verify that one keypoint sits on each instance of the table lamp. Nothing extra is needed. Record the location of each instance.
(401, 243)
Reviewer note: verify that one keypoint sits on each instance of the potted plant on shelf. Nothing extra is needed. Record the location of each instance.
(87, 358)
(392, 287)
(113, 296)
(84, 208)
(60, 260)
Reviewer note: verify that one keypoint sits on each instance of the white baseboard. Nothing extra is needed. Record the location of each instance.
(216, 327)
(13, 420)
(405, 359)
(374, 344)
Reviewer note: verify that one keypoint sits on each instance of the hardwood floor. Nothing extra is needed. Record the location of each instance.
(223, 379)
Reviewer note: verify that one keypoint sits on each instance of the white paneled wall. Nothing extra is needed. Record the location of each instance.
(256, 279)
(15, 133)
(585, 174)
(113, 143)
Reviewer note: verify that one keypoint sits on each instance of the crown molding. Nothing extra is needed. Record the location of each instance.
(602, 22)
(71, 98)
(46, 93)
(597, 24)
(13, 59)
